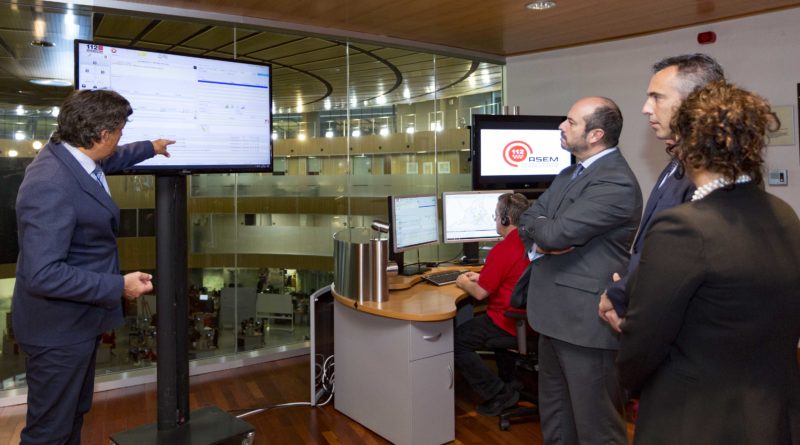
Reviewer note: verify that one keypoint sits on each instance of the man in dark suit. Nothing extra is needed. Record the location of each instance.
(579, 232)
(673, 79)
(710, 338)
(68, 287)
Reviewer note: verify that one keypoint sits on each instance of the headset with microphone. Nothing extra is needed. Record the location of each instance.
(504, 218)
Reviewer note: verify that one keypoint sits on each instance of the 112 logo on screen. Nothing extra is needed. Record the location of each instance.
(519, 152)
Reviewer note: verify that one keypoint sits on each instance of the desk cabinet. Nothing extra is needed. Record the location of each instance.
(394, 376)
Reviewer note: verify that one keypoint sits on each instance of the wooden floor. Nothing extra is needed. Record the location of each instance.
(262, 385)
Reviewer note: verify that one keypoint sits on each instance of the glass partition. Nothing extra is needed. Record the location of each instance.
(353, 123)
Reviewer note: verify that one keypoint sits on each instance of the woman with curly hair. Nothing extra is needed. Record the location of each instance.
(711, 335)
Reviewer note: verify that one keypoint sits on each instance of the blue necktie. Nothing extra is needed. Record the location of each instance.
(577, 172)
(673, 165)
(98, 174)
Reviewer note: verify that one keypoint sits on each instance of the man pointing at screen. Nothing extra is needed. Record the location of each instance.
(68, 288)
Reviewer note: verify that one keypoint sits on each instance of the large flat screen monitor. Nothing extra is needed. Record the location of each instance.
(414, 223)
(516, 152)
(468, 217)
(218, 111)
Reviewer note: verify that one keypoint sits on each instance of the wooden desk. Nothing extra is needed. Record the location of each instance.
(394, 363)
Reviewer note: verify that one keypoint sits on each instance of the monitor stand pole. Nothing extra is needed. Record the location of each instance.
(210, 425)
(409, 270)
(471, 253)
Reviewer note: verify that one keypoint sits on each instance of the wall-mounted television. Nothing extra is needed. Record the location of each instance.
(218, 111)
(516, 152)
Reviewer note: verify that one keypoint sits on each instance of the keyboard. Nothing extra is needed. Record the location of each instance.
(442, 278)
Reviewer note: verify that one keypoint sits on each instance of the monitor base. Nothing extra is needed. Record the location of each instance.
(472, 253)
(469, 262)
(412, 269)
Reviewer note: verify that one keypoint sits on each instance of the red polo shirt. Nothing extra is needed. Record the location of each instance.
(504, 265)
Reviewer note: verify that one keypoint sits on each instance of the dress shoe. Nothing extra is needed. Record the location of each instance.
(507, 398)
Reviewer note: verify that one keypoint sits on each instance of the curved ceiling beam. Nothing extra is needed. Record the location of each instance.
(140, 38)
(472, 69)
(398, 76)
(323, 81)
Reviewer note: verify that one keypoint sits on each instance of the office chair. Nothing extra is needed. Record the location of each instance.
(525, 349)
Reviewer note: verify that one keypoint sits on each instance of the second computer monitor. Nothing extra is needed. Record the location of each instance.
(469, 218)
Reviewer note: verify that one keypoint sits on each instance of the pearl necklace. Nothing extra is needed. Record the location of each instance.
(718, 183)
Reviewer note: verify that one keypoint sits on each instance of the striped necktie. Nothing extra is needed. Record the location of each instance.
(101, 179)
(673, 165)
(577, 172)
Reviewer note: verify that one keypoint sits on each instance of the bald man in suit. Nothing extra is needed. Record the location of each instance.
(579, 232)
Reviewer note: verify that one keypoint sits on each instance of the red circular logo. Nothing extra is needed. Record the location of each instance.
(516, 152)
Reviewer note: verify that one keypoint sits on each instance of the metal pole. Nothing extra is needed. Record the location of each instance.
(170, 279)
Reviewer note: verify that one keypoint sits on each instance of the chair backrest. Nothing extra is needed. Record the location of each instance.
(519, 296)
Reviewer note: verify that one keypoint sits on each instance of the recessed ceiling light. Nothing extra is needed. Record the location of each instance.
(541, 5)
(43, 43)
(52, 82)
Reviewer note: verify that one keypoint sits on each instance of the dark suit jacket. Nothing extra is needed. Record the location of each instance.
(711, 334)
(673, 192)
(68, 287)
(597, 213)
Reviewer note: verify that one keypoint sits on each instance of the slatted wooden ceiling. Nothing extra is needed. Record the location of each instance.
(313, 71)
(310, 72)
(501, 27)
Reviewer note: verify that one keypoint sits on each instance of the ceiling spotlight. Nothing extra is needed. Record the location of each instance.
(37, 145)
(541, 5)
(43, 43)
(52, 82)
(19, 135)
(13, 153)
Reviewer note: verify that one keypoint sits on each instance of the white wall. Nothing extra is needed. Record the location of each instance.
(760, 53)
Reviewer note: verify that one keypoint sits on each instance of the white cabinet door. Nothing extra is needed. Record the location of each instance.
(432, 400)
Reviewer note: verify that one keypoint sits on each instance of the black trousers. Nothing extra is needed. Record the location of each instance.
(60, 388)
(472, 336)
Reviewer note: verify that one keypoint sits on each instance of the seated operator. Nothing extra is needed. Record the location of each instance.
(504, 265)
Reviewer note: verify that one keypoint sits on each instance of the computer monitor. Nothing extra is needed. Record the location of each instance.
(218, 111)
(414, 223)
(468, 218)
